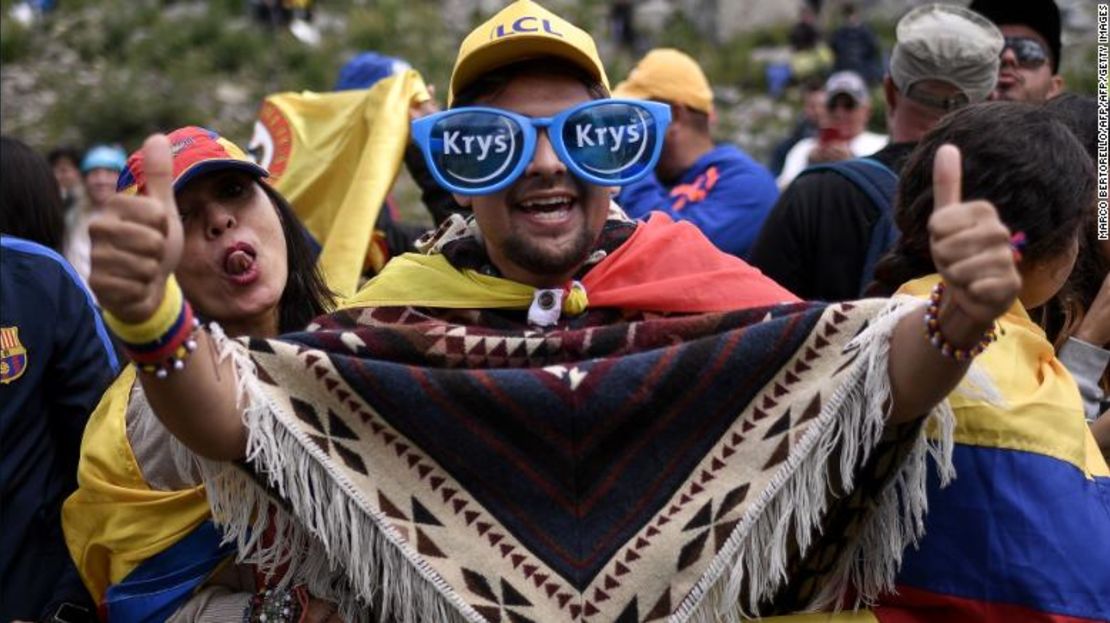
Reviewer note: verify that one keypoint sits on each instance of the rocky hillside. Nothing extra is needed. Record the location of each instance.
(114, 70)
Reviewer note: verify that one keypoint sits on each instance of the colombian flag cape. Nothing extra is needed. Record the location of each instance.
(660, 268)
(1023, 533)
(140, 551)
(334, 156)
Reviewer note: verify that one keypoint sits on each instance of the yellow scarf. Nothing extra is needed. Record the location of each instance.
(431, 281)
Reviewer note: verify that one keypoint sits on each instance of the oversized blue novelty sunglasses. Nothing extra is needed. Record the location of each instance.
(479, 151)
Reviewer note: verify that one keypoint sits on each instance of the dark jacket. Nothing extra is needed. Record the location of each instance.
(815, 241)
(56, 359)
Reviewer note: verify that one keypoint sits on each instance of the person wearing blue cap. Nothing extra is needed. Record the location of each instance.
(99, 169)
(363, 72)
(366, 69)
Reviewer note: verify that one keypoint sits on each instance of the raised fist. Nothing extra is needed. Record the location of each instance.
(970, 247)
(137, 241)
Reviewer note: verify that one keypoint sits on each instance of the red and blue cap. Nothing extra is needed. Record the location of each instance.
(195, 151)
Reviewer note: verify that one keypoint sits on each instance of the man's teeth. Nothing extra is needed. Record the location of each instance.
(546, 202)
(550, 215)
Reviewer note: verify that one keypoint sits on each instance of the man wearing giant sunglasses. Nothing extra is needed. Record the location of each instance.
(533, 144)
(1030, 65)
(538, 171)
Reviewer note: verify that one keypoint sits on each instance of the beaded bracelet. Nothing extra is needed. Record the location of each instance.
(169, 353)
(932, 331)
(160, 344)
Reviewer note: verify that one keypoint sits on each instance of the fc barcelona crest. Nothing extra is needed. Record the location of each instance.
(13, 357)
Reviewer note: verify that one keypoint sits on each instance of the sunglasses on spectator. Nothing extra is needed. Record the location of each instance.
(844, 101)
(1029, 52)
(477, 150)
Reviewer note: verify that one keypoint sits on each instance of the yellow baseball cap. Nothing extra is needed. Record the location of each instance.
(521, 31)
(671, 76)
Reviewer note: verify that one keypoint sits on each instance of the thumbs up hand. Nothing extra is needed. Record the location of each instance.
(971, 250)
(137, 241)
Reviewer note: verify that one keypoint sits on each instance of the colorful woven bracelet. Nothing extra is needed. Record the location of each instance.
(162, 343)
(932, 331)
(160, 322)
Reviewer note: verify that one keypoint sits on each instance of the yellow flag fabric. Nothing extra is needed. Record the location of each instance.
(861, 616)
(334, 156)
(115, 521)
(1031, 401)
(431, 281)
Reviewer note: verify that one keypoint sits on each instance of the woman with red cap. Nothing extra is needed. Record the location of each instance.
(139, 526)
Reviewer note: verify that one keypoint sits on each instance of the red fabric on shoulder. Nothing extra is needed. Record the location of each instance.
(672, 267)
(913, 605)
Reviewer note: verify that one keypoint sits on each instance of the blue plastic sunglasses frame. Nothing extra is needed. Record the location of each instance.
(653, 115)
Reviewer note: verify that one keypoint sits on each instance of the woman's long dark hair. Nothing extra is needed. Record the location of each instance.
(1063, 315)
(1019, 157)
(30, 202)
(306, 296)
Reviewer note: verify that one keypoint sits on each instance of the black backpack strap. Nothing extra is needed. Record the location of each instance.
(878, 182)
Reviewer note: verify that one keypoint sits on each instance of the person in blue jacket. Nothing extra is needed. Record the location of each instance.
(56, 359)
(719, 189)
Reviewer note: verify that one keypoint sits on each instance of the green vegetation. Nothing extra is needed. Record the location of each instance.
(118, 69)
(15, 41)
(115, 70)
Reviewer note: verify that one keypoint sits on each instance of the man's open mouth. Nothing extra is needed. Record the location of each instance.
(545, 209)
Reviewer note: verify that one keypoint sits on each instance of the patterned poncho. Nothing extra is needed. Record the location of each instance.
(653, 457)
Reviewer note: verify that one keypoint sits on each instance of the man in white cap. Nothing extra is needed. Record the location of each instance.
(829, 228)
(848, 104)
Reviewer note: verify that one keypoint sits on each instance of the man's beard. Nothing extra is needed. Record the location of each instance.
(536, 259)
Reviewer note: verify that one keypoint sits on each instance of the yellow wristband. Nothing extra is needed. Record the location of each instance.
(160, 322)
